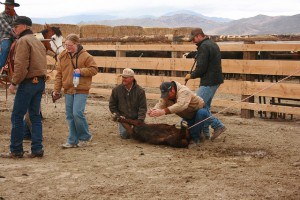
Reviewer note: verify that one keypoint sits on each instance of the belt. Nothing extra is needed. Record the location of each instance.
(29, 80)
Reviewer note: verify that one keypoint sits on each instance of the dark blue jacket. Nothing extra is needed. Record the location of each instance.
(208, 67)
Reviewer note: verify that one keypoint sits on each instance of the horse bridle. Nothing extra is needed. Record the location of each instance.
(57, 47)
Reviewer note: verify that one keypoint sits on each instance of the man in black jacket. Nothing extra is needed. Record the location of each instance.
(209, 69)
(129, 100)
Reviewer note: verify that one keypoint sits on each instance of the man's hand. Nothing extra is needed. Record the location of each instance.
(55, 96)
(187, 77)
(150, 110)
(77, 71)
(157, 112)
(12, 89)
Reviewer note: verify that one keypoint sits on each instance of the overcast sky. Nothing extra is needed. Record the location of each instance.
(234, 9)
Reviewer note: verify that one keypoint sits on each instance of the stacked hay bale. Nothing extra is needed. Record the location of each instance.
(158, 31)
(66, 29)
(182, 31)
(121, 31)
(37, 28)
(95, 31)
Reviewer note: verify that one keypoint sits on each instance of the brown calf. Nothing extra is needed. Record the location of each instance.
(158, 134)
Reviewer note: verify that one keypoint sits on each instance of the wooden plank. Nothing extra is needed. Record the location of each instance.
(257, 106)
(260, 47)
(177, 64)
(283, 90)
(223, 103)
(265, 67)
(191, 47)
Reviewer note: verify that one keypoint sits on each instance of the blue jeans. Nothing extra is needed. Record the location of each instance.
(28, 97)
(27, 132)
(78, 126)
(123, 132)
(207, 93)
(5, 47)
(196, 130)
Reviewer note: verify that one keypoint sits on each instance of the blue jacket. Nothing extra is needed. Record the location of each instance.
(208, 67)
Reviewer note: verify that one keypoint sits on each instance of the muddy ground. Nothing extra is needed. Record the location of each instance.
(255, 159)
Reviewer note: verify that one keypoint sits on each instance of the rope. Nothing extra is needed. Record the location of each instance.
(244, 99)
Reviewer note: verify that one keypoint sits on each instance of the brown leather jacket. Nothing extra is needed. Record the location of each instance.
(65, 69)
(30, 58)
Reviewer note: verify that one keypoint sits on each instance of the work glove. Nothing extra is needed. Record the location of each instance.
(187, 77)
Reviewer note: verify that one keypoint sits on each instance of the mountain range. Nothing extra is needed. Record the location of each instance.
(260, 24)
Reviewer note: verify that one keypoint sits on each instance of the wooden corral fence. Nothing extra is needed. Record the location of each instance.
(246, 84)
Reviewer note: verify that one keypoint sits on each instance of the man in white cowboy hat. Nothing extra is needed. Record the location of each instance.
(129, 100)
(6, 35)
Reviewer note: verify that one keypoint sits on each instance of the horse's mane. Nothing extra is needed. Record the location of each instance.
(55, 29)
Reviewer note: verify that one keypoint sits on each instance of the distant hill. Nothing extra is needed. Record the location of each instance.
(74, 19)
(260, 24)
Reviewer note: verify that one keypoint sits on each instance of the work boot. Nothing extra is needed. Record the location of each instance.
(12, 155)
(36, 155)
(68, 145)
(193, 144)
(217, 132)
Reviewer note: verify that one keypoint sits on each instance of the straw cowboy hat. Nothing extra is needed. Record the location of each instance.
(10, 3)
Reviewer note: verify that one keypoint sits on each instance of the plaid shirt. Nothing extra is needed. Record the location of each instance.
(5, 26)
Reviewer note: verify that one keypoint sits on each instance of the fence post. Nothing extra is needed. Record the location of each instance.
(248, 55)
(174, 54)
(120, 54)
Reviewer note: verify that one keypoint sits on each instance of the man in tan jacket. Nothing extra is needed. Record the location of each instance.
(180, 100)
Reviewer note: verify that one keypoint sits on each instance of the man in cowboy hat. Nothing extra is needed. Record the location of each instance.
(6, 35)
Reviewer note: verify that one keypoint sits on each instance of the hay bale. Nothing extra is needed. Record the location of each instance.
(95, 31)
(37, 28)
(186, 31)
(158, 31)
(66, 29)
(121, 31)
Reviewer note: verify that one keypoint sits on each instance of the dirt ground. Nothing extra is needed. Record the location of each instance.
(255, 159)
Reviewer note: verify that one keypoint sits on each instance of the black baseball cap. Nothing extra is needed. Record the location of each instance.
(165, 88)
(194, 33)
(22, 20)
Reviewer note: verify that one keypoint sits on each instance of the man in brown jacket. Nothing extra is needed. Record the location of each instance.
(180, 100)
(29, 75)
